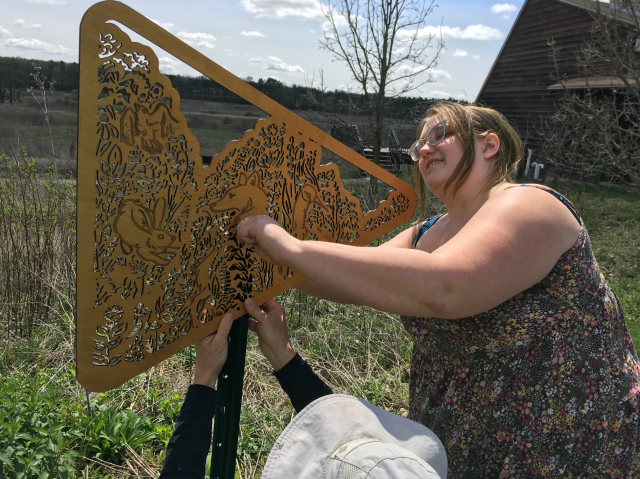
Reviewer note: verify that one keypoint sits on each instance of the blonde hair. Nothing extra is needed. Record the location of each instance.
(468, 122)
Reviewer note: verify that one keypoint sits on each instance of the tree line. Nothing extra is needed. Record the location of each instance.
(294, 96)
(16, 78)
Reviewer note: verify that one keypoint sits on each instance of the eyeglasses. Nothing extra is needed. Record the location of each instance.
(435, 136)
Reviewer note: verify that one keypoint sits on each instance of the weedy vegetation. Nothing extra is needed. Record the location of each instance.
(51, 427)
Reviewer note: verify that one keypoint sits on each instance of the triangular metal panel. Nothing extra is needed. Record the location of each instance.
(158, 262)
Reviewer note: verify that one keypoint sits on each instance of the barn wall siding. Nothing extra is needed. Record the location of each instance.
(518, 83)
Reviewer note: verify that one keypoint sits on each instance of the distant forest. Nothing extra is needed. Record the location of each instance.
(15, 76)
(15, 80)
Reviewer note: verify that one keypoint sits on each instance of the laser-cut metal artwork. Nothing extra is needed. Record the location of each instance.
(158, 262)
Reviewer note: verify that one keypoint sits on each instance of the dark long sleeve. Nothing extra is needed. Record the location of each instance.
(301, 384)
(189, 444)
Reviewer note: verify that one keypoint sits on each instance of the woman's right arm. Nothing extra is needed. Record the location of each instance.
(511, 243)
(401, 240)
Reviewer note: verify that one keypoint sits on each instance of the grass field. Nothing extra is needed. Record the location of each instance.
(214, 124)
(49, 425)
(23, 124)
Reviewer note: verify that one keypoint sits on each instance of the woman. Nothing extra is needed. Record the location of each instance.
(522, 361)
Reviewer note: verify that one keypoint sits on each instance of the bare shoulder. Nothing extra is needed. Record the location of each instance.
(511, 243)
(533, 212)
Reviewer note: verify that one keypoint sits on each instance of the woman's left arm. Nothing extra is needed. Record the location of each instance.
(509, 245)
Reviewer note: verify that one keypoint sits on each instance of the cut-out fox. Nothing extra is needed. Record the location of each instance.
(243, 199)
(247, 198)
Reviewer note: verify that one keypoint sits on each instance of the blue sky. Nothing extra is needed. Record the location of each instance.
(268, 38)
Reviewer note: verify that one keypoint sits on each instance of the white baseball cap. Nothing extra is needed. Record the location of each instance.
(343, 437)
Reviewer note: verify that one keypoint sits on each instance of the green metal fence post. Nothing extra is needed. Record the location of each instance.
(227, 420)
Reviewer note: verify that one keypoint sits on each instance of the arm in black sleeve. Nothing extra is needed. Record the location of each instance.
(301, 384)
(189, 444)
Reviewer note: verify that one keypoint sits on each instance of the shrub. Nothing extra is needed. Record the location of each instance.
(37, 239)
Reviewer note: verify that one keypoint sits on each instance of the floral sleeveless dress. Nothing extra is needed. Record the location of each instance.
(543, 385)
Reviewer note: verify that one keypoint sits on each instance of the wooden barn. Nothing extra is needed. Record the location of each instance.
(523, 82)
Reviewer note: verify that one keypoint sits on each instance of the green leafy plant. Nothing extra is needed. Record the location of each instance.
(35, 434)
(112, 429)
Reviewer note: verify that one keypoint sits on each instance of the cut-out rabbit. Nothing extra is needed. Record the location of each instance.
(142, 231)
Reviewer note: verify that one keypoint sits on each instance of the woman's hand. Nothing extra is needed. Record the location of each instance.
(273, 336)
(211, 354)
(269, 240)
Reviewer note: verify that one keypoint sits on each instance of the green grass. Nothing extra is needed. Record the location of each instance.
(47, 432)
(212, 142)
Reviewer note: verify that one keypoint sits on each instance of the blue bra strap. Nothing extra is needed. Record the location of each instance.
(564, 201)
(425, 226)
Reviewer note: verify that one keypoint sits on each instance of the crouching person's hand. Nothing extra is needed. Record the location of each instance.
(211, 354)
(271, 328)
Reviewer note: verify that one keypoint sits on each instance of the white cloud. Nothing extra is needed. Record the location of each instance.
(165, 25)
(197, 36)
(21, 23)
(437, 73)
(253, 34)
(231, 53)
(198, 39)
(341, 22)
(167, 64)
(50, 2)
(4, 32)
(407, 69)
(275, 64)
(35, 44)
(172, 65)
(476, 57)
(460, 53)
(505, 8)
(446, 95)
(296, 9)
(472, 32)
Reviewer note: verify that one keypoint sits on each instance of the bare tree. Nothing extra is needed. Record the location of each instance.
(595, 130)
(381, 43)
